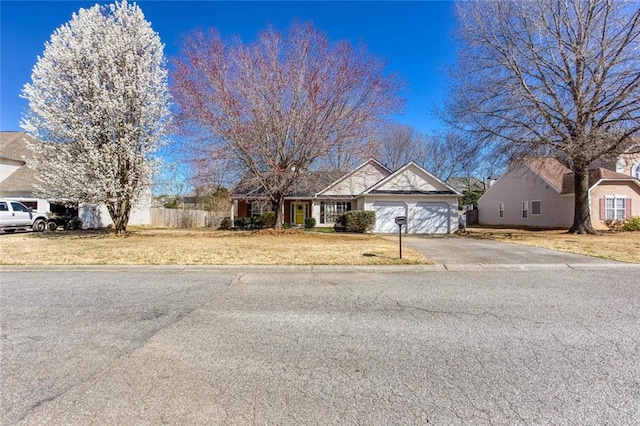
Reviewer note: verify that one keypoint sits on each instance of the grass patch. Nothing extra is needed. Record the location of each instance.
(144, 246)
(321, 230)
(623, 246)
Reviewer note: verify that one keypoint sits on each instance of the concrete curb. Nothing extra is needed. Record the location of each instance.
(324, 268)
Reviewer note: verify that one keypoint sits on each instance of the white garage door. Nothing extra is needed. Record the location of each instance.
(386, 212)
(431, 218)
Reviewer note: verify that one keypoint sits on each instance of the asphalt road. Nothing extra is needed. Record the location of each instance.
(322, 346)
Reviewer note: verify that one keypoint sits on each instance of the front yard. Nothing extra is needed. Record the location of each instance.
(201, 247)
(623, 246)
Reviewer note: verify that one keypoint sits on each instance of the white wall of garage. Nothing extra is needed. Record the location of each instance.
(414, 204)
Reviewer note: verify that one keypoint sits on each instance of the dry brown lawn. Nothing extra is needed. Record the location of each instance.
(623, 246)
(200, 247)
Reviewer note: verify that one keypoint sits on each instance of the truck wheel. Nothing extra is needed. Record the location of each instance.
(52, 226)
(39, 225)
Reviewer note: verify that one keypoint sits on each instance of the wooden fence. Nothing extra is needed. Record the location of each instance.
(179, 218)
(472, 217)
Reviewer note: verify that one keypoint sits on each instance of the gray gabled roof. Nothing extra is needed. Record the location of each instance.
(23, 179)
(464, 184)
(307, 186)
(13, 145)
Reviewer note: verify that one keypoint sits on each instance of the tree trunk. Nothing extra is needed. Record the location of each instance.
(119, 211)
(279, 210)
(582, 213)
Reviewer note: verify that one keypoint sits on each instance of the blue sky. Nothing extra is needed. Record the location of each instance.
(414, 37)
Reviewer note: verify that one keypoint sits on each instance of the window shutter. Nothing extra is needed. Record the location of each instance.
(628, 207)
(602, 213)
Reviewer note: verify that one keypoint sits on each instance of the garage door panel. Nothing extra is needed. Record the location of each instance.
(386, 212)
(432, 218)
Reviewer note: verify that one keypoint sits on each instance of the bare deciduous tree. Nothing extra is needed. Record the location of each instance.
(282, 103)
(551, 76)
(451, 154)
(398, 144)
(446, 155)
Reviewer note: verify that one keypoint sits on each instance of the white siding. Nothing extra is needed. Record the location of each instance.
(7, 167)
(356, 183)
(412, 179)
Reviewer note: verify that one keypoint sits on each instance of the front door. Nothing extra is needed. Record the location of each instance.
(298, 213)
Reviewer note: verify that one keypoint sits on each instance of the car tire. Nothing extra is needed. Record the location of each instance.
(52, 226)
(39, 225)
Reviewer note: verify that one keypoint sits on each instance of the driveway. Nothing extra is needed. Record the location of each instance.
(454, 250)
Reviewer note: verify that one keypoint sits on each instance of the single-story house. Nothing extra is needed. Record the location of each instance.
(539, 192)
(18, 182)
(429, 204)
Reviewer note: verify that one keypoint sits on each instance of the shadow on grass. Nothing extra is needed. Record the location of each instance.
(74, 235)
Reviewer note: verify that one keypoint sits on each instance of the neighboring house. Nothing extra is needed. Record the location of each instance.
(429, 204)
(539, 192)
(629, 164)
(18, 182)
(466, 184)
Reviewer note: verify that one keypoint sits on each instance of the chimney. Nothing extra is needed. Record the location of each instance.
(489, 182)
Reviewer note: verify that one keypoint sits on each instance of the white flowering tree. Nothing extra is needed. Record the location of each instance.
(99, 106)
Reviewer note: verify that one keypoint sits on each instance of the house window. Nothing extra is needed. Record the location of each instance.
(330, 211)
(615, 208)
(636, 173)
(501, 209)
(525, 209)
(536, 207)
(257, 208)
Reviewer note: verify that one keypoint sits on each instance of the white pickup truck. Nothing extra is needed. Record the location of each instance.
(15, 215)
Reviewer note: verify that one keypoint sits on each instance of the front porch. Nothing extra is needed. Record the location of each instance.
(295, 211)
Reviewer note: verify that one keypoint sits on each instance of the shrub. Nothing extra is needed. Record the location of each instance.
(173, 204)
(226, 223)
(614, 225)
(247, 222)
(359, 220)
(309, 222)
(470, 197)
(631, 224)
(286, 225)
(75, 223)
(254, 223)
(268, 219)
